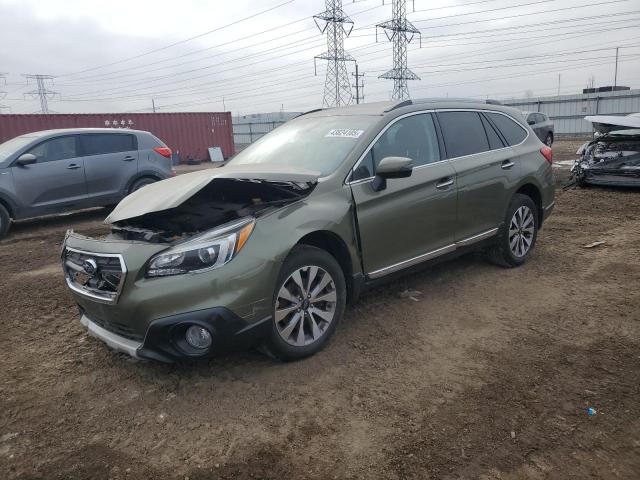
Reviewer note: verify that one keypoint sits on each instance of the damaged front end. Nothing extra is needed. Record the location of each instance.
(612, 158)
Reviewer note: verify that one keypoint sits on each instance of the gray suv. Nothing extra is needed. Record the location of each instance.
(59, 170)
(541, 126)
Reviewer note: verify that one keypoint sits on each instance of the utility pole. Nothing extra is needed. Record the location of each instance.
(42, 91)
(359, 86)
(336, 24)
(558, 84)
(615, 76)
(401, 32)
(153, 104)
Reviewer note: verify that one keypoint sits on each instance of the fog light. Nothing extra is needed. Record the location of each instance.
(198, 337)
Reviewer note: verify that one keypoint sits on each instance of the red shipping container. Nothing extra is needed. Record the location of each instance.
(191, 134)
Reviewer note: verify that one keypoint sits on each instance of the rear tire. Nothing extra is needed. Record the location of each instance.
(517, 235)
(308, 303)
(548, 141)
(5, 221)
(141, 182)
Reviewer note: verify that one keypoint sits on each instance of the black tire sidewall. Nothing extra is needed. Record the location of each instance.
(5, 221)
(517, 201)
(546, 139)
(299, 257)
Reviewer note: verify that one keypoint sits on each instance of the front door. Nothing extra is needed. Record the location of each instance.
(413, 218)
(111, 161)
(55, 182)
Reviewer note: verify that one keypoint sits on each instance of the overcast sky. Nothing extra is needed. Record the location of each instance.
(117, 55)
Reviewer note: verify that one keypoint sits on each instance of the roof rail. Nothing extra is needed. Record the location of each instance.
(310, 111)
(400, 104)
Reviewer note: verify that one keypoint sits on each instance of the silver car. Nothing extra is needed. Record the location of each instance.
(60, 170)
(541, 125)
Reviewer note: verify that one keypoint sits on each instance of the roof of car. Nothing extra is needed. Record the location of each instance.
(58, 131)
(382, 108)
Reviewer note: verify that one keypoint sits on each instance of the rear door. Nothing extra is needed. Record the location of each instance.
(484, 170)
(412, 217)
(111, 161)
(56, 182)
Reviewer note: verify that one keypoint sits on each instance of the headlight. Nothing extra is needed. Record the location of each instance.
(204, 252)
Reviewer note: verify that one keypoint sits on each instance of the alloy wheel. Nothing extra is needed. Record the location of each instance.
(521, 230)
(305, 306)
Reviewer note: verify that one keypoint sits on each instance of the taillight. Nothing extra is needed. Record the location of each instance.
(164, 151)
(547, 153)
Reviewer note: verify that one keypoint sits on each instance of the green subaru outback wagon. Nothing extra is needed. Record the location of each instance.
(268, 250)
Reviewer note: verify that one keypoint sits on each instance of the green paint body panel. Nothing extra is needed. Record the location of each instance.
(407, 219)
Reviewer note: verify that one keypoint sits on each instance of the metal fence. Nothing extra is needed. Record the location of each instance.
(568, 111)
(246, 133)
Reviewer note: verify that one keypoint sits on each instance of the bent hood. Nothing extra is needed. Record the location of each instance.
(606, 123)
(173, 192)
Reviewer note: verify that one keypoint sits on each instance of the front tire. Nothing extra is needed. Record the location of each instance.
(517, 236)
(5, 221)
(308, 303)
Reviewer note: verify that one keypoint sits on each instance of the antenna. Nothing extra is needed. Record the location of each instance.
(336, 24)
(401, 32)
(42, 91)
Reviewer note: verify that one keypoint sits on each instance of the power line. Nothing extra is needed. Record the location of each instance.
(42, 91)
(180, 42)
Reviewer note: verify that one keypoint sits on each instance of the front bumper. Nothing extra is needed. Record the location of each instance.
(164, 339)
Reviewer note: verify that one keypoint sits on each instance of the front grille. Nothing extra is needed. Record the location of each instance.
(99, 276)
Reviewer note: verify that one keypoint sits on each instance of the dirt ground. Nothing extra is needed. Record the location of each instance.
(488, 375)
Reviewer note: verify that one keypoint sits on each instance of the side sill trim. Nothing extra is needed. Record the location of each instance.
(432, 254)
(551, 205)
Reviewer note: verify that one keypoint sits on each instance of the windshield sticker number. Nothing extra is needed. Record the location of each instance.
(344, 133)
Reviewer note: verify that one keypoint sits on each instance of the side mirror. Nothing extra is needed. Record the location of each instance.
(391, 167)
(26, 159)
(531, 122)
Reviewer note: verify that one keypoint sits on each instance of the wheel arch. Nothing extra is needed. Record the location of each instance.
(140, 176)
(8, 205)
(535, 194)
(337, 248)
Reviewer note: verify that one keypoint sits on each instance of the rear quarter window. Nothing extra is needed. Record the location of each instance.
(513, 132)
(463, 133)
(103, 143)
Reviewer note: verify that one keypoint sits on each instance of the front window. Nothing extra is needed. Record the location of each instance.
(316, 143)
(60, 148)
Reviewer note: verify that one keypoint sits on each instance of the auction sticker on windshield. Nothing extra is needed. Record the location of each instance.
(344, 133)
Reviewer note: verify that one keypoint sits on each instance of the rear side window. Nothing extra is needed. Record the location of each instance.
(413, 137)
(463, 133)
(102, 143)
(511, 131)
(60, 148)
(494, 139)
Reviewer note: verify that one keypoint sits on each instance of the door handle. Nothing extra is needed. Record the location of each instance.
(128, 158)
(73, 166)
(444, 183)
(507, 164)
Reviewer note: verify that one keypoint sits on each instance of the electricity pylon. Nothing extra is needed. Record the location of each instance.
(336, 24)
(401, 32)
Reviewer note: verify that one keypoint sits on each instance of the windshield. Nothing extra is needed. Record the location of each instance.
(317, 143)
(11, 146)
